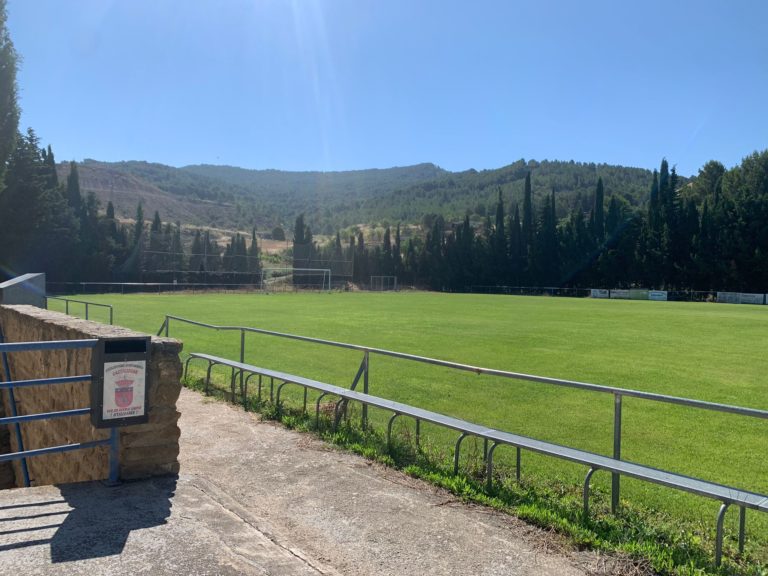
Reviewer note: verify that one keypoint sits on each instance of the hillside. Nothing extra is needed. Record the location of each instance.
(236, 198)
(196, 200)
(455, 194)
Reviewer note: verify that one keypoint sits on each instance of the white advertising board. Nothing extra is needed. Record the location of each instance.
(623, 294)
(728, 297)
(751, 298)
(658, 295)
(600, 293)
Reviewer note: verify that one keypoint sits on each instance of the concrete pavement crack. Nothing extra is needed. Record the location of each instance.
(227, 502)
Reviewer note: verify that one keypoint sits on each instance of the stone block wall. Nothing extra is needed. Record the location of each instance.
(145, 450)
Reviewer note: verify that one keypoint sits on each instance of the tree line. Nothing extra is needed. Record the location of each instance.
(47, 225)
(709, 234)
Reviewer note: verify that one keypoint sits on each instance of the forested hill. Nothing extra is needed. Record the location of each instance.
(455, 194)
(230, 197)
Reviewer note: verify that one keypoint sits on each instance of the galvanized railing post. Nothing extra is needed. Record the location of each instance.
(242, 361)
(114, 457)
(719, 534)
(167, 325)
(86, 310)
(366, 359)
(111, 316)
(616, 478)
(742, 527)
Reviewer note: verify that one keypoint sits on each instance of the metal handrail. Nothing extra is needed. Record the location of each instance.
(618, 393)
(47, 345)
(16, 420)
(714, 406)
(87, 304)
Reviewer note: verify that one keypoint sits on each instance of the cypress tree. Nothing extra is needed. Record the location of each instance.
(546, 244)
(613, 218)
(50, 168)
(74, 197)
(196, 253)
(500, 235)
(177, 252)
(254, 257)
(397, 254)
(654, 205)
(515, 248)
(599, 212)
(138, 227)
(528, 223)
(157, 224)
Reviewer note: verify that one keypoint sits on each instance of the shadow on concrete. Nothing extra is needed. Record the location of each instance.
(101, 517)
(97, 519)
(88, 520)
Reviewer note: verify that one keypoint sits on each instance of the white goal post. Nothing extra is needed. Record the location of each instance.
(274, 277)
(382, 283)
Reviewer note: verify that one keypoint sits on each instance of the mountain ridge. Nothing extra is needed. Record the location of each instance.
(240, 198)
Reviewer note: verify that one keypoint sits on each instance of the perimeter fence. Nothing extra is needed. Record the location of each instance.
(623, 293)
(69, 288)
(363, 376)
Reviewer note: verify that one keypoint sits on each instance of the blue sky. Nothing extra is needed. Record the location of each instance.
(352, 84)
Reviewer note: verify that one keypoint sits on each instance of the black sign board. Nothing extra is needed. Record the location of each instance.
(120, 385)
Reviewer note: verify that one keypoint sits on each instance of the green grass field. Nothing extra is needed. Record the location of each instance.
(705, 351)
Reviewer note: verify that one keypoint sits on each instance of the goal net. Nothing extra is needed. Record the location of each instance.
(382, 283)
(283, 279)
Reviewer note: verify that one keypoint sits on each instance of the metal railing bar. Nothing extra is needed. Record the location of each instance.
(87, 304)
(54, 449)
(78, 301)
(713, 406)
(44, 416)
(45, 381)
(47, 345)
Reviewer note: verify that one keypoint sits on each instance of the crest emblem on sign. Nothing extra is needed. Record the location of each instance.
(124, 392)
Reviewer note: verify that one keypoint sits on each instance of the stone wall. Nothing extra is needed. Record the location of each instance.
(145, 450)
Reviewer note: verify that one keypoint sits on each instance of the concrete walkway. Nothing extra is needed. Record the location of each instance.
(254, 498)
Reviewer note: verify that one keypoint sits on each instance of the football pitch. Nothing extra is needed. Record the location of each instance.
(711, 352)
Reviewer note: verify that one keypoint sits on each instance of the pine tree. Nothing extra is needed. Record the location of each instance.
(37, 232)
(9, 109)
